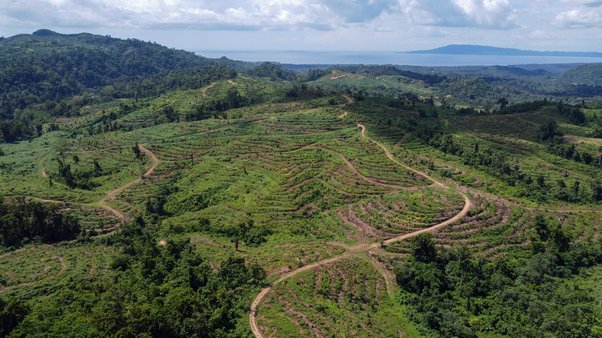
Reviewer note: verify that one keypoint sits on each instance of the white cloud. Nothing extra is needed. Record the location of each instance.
(203, 14)
(580, 18)
(460, 13)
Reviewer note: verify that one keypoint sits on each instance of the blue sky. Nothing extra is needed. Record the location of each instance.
(377, 25)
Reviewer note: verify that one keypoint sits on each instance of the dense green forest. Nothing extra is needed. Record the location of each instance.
(456, 294)
(48, 66)
(53, 74)
(151, 291)
(22, 222)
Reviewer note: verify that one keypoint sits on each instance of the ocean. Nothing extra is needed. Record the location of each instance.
(376, 58)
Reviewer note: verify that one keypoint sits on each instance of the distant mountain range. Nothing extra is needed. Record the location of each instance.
(488, 50)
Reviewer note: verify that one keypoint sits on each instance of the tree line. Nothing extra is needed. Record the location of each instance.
(23, 222)
(152, 290)
(497, 164)
(453, 293)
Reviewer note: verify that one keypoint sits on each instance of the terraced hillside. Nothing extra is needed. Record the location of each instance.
(281, 217)
(345, 298)
(307, 180)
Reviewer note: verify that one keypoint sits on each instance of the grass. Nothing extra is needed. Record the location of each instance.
(491, 229)
(291, 167)
(31, 168)
(185, 102)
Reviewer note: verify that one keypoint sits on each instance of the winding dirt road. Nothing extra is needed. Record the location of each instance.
(103, 203)
(390, 157)
(123, 217)
(362, 247)
(111, 195)
(205, 89)
(155, 162)
(354, 169)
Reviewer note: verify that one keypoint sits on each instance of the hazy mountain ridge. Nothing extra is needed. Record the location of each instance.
(589, 74)
(489, 50)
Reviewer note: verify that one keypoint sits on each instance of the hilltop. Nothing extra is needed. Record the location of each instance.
(590, 74)
(40, 70)
(47, 64)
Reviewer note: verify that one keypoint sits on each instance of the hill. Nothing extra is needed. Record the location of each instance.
(590, 75)
(37, 71)
(488, 50)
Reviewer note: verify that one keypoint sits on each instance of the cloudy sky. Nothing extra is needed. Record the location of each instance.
(347, 25)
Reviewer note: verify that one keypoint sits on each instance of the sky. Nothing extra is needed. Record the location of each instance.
(319, 25)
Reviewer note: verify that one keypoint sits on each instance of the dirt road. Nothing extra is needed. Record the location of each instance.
(103, 203)
(356, 171)
(111, 195)
(390, 157)
(362, 247)
(205, 89)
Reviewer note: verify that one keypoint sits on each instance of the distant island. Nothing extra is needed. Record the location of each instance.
(488, 50)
